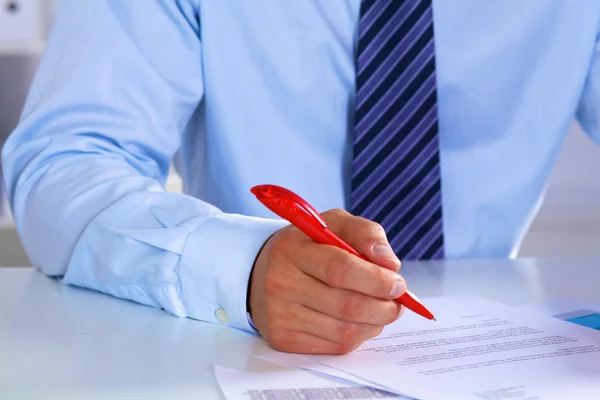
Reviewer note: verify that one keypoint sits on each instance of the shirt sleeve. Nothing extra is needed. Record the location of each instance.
(85, 168)
(588, 112)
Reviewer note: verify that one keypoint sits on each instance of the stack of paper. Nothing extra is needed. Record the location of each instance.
(291, 385)
(476, 350)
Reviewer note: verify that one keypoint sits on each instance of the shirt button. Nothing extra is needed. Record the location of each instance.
(222, 316)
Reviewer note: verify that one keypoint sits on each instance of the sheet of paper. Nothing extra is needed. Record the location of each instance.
(493, 353)
(575, 311)
(452, 305)
(290, 385)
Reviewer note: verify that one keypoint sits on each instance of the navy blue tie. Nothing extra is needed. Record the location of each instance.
(396, 169)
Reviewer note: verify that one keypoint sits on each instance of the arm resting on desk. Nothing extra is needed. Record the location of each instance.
(85, 169)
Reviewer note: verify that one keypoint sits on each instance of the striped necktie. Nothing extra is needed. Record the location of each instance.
(396, 168)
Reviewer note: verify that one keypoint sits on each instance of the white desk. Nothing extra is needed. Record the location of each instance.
(68, 343)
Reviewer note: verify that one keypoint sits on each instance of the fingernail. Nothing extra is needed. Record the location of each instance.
(398, 289)
(385, 251)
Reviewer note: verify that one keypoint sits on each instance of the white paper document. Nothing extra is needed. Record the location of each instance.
(476, 352)
(454, 305)
(290, 385)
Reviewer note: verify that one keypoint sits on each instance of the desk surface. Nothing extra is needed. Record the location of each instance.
(62, 342)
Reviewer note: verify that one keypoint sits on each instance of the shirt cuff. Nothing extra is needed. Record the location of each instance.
(216, 265)
(250, 322)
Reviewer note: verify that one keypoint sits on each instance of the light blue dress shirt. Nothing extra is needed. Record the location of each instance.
(245, 92)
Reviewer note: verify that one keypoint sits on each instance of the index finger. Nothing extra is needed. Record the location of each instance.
(340, 269)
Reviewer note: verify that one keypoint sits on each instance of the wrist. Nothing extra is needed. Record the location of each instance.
(249, 287)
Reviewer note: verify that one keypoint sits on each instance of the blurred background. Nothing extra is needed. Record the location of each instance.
(567, 224)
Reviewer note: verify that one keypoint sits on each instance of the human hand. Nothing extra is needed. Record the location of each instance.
(312, 298)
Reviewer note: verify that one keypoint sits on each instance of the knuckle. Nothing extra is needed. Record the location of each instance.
(383, 281)
(369, 227)
(375, 228)
(336, 216)
(274, 286)
(348, 333)
(366, 231)
(338, 212)
(336, 271)
(351, 307)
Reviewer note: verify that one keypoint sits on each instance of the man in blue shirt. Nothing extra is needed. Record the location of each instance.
(439, 122)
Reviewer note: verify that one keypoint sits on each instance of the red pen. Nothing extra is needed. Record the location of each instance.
(293, 208)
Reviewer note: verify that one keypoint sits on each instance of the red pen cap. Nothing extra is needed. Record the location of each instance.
(285, 203)
(293, 208)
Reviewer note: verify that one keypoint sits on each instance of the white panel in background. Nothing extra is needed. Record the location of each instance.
(21, 20)
(23, 25)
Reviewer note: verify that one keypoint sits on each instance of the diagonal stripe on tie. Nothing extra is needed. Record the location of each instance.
(396, 170)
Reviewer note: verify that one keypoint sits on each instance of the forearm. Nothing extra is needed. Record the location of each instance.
(96, 219)
(85, 167)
